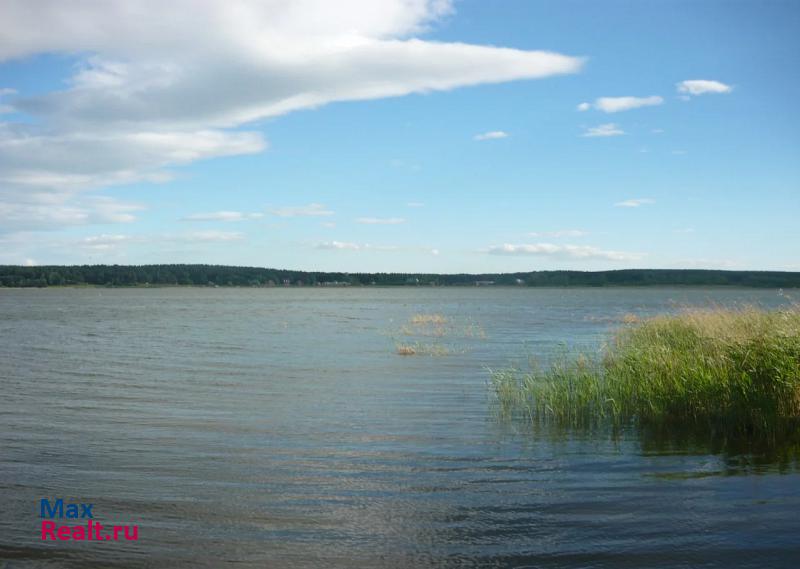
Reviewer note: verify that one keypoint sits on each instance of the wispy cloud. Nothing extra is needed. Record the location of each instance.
(6, 108)
(559, 234)
(618, 104)
(33, 210)
(45, 176)
(104, 242)
(491, 135)
(339, 245)
(380, 220)
(405, 165)
(222, 216)
(110, 242)
(415, 204)
(703, 263)
(608, 129)
(636, 202)
(702, 86)
(213, 236)
(365, 247)
(562, 251)
(310, 210)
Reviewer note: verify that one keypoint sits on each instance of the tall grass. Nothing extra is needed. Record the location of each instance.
(732, 371)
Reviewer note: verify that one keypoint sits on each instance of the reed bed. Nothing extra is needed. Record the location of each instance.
(418, 319)
(735, 371)
(424, 333)
(424, 349)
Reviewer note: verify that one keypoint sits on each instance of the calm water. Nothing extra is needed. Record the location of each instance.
(279, 428)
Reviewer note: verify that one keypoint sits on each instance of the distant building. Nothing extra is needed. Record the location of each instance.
(484, 283)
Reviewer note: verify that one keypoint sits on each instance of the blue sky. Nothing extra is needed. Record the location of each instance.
(401, 135)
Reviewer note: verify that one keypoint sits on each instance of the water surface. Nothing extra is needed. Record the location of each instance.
(279, 428)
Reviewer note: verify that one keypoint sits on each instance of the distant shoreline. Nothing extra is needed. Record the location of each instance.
(376, 286)
(179, 275)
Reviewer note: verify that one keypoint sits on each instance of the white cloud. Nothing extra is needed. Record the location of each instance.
(562, 251)
(559, 234)
(222, 216)
(4, 109)
(26, 209)
(491, 135)
(104, 242)
(158, 83)
(702, 86)
(618, 104)
(402, 164)
(151, 64)
(415, 204)
(44, 176)
(380, 220)
(608, 129)
(214, 236)
(367, 247)
(75, 161)
(113, 242)
(310, 210)
(702, 263)
(328, 224)
(339, 245)
(636, 202)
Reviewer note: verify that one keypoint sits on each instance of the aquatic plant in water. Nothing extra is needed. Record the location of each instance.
(732, 371)
(420, 328)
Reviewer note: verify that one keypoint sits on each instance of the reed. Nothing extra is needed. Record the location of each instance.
(735, 371)
(424, 349)
(419, 319)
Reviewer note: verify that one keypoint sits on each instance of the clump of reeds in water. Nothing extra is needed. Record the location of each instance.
(420, 319)
(735, 371)
(423, 331)
(423, 349)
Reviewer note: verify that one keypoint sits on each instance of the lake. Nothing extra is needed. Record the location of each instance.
(280, 428)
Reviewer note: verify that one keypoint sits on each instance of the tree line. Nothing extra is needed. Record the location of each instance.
(221, 275)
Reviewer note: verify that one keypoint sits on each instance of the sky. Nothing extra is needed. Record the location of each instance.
(401, 135)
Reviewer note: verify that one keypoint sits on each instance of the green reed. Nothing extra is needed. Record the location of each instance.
(735, 371)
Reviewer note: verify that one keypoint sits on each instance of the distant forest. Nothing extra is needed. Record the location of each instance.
(220, 275)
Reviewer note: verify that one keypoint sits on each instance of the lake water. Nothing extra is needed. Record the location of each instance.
(280, 428)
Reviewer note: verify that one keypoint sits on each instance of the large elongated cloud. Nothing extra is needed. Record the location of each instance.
(154, 74)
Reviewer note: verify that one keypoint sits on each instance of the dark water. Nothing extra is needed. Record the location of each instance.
(279, 428)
